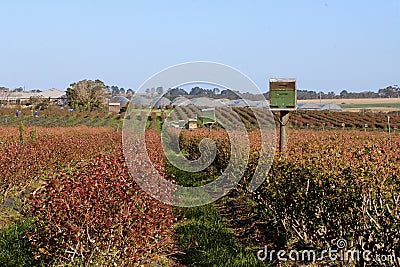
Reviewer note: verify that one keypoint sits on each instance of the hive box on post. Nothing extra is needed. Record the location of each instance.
(208, 115)
(282, 94)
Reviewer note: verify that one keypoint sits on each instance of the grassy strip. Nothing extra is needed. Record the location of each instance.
(206, 240)
(203, 234)
(15, 249)
(377, 105)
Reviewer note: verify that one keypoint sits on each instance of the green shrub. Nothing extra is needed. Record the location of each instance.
(330, 186)
(15, 249)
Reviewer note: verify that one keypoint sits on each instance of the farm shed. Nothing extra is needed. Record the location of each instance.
(331, 106)
(308, 106)
(52, 93)
(8, 97)
(249, 103)
(240, 103)
(181, 101)
(140, 101)
(206, 102)
(162, 102)
(225, 102)
(260, 104)
(119, 99)
(116, 103)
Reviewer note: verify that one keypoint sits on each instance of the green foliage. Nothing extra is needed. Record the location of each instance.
(330, 186)
(203, 234)
(327, 186)
(15, 249)
(21, 132)
(39, 102)
(206, 240)
(33, 134)
(87, 94)
(190, 140)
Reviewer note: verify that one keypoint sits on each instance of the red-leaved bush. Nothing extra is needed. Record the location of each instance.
(98, 215)
(22, 165)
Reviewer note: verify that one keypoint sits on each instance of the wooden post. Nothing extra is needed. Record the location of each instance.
(283, 120)
(390, 139)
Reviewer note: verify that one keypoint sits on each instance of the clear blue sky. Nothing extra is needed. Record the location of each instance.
(327, 45)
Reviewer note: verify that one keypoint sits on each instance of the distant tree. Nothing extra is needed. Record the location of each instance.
(122, 90)
(321, 95)
(390, 91)
(147, 90)
(39, 102)
(369, 94)
(344, 94)
(160, 90)
(331, 95)
(216, 91)
(174, 92)
(197, 91)
(18, 89)
(209, 92)
(114, 90)
(228, 93)
(306, 94)
(130, 91)
(87, 94)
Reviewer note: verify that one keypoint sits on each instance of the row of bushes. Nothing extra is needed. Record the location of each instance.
(23, 164)
(96, 214)
(99, 215)
(328, 186)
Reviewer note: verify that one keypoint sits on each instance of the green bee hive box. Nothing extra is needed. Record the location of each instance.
(282, 93)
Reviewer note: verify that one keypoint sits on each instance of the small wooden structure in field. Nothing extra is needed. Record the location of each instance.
(118, 104)
(114, 107)
(282, 93)
(208, 116)
(192, 124)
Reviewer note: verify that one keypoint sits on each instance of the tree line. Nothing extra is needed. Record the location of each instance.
(388, 92)
(91, 94)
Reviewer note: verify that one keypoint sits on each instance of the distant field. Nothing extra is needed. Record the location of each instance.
(356, 104)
